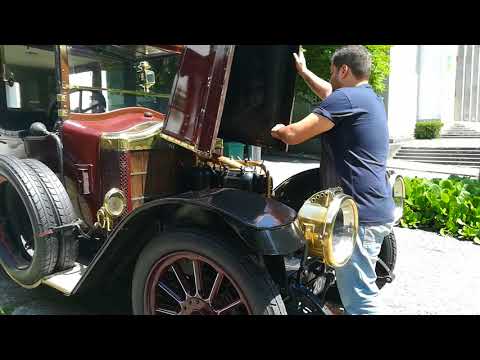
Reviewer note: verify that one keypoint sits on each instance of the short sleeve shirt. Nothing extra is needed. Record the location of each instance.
(359, 142)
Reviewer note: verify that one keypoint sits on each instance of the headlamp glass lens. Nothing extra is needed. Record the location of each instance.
(343, 241)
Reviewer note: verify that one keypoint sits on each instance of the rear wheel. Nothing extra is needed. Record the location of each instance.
(194, 273)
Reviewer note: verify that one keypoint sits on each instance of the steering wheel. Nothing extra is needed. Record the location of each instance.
(99, 103)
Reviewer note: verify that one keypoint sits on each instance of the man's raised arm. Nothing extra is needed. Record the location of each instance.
(320, 87)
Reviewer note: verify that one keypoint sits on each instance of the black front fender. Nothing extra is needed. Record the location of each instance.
(264, 225)
(294, 191)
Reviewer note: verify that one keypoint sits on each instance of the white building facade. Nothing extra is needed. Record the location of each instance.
(424, 85)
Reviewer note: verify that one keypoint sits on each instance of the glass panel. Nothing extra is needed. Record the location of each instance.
(30, 77)
(111, 77)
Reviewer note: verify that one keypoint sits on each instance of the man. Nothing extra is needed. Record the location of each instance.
(354, 123)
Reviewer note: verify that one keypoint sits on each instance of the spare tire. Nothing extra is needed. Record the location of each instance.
(26, 211)
(64, 213)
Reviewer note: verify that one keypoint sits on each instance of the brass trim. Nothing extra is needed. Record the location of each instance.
(139, 137)
(63, 113)
(104, 216)
(119, 91)
(64, 78)
(175, 141)
(398, 199)
(108, 195)
(319, 231)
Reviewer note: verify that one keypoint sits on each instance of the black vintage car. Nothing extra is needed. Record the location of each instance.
(113, 168)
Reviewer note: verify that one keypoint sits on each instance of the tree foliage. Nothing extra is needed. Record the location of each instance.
(318, 60)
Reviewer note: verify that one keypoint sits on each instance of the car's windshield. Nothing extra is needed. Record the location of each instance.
(110, 77)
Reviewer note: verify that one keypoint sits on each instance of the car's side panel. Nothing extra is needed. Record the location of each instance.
(263, 225)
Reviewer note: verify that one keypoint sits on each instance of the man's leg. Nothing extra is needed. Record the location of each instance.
(356, 280)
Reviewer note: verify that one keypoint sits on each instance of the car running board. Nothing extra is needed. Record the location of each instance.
(66, 281)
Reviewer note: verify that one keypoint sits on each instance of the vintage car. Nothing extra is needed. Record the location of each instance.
(114, 168)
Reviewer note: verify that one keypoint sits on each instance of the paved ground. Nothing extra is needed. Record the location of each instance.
(434, 275)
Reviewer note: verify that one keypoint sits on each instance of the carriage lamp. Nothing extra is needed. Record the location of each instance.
(114, 202)
(329, 220)
(397, 185)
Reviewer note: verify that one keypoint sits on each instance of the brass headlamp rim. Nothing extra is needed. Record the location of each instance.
(393, 178)
(319, 234)
(108, 195)
(332, 213)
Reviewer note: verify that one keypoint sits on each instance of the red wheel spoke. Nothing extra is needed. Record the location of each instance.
(228, 307)
(215, 287)
(177, 270)
(165, 311)
(197, 272)
(170, 292)
(204, 287)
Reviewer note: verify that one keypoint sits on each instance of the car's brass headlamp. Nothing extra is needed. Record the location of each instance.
(114, 202)
(397, 185)
(114, 205)
(329, 220)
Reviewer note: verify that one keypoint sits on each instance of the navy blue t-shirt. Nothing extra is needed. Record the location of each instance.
(359, 142)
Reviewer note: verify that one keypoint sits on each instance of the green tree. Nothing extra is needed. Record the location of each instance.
(318, 60)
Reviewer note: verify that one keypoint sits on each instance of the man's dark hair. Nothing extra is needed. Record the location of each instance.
(356, 57)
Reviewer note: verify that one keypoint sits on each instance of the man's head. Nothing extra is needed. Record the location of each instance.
(350, 66)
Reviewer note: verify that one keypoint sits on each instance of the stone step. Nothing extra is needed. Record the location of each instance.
(444, 150)
(439, 148)
(434, 157)
(441, 161)
(438, 154)
(460, 132)
(437, 162)
(460, 136)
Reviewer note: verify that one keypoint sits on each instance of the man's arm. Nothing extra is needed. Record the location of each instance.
(303, 130)
(320, 87)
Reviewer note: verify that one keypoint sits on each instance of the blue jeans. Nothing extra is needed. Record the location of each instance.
(356, 280)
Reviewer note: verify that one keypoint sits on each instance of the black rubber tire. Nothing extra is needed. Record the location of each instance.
(388, 254)
(22, 181)
(259, 289)
(64, 213)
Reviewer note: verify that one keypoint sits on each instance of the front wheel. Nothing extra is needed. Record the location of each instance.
(193, 273)
(388, 254)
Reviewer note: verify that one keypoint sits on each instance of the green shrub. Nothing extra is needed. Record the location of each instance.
(318, 61)
(450, 206)
(428, 129)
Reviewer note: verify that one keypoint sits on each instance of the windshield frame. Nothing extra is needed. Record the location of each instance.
(65, 87)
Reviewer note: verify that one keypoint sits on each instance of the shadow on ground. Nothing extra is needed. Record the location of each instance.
(44, 300)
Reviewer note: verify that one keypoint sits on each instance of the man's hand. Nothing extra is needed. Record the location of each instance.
(320, 87)
(303, 130)
(275, 130)
(300, 62)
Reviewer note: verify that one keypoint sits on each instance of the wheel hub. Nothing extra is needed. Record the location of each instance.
(196, 306)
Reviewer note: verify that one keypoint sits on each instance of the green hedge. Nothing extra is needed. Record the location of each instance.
(428, 129)
(450, 206)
